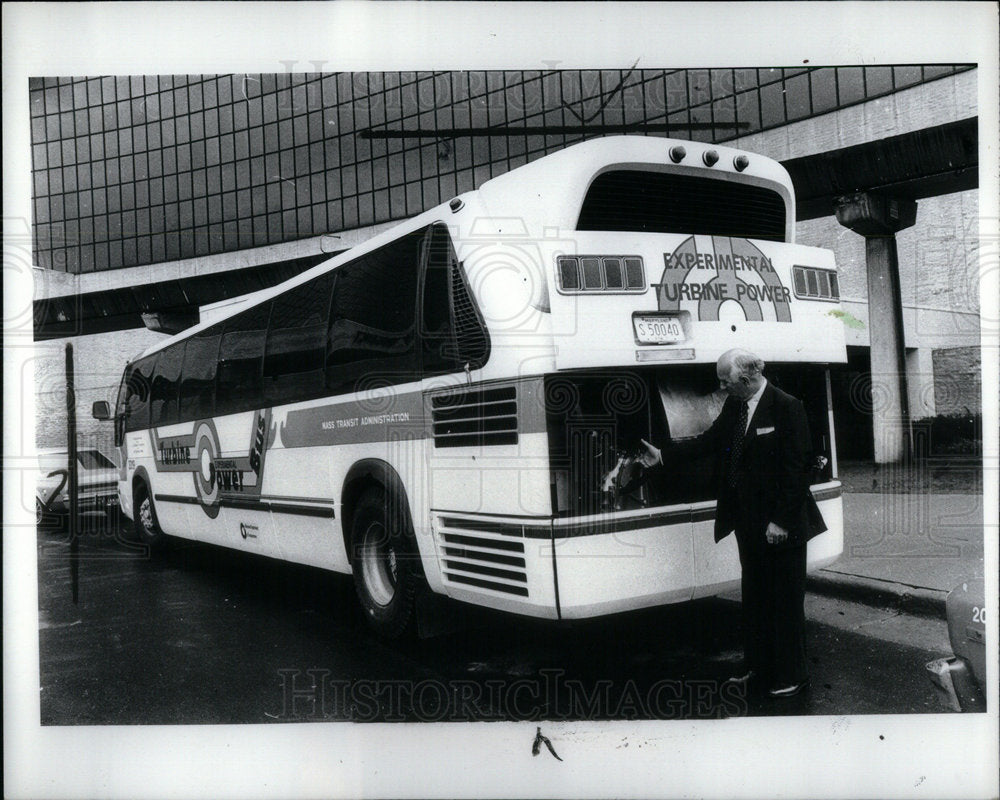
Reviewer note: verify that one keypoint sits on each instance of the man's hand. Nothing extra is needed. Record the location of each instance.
(651, 457)
(776, 534)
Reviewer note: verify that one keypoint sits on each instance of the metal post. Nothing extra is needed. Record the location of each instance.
(830, 426)
(74, 507)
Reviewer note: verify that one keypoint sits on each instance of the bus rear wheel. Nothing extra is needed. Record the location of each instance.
(147, 529)
(384, 564)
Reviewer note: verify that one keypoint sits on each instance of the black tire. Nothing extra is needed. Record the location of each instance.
(50, 521)
(385, 564)
(144, 522)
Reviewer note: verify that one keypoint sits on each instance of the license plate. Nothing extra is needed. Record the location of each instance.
(658, 330)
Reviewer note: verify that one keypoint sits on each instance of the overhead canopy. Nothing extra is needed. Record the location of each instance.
(924, 163)
(122, 309)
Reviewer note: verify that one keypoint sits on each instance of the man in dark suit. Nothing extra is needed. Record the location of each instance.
(762, 447)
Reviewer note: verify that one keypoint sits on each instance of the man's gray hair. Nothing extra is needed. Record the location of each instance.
(746, 362)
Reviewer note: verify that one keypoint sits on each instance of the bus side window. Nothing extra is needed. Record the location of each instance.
(198, 374)
(120, 404)
(296, 342)
(372, 323)
(436, 329)
(135, 405)
(238, 382)
(166, 385)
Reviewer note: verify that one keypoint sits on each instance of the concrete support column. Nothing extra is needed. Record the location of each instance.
(920, 377)
(878, 218)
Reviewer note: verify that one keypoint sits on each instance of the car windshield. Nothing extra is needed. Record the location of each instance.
(94, 459)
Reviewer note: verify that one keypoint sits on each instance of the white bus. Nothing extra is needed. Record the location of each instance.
(450, 407)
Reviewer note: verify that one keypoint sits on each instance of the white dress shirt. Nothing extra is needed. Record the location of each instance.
(752, 403)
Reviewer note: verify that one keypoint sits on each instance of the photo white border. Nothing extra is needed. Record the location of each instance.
(858, 756)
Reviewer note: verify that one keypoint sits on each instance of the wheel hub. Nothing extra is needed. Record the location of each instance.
(146, 514)
(379, 565)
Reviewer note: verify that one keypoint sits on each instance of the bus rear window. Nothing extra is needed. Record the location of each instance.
(659, 202)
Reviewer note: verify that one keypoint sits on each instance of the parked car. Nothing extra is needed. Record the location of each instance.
(97, 478)
(960, 680)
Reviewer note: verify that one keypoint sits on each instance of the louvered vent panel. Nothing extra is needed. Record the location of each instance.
(657, 202)
(475, 417)
(470, 335)
(482, 559)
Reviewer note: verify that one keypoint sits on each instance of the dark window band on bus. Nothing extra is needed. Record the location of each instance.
(295, 352)
(659, 202)
(340, 332)
(373, 318)
(167, 384)
(239, 380)
(201, 359)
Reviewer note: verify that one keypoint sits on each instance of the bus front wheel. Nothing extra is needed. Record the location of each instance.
(384, 564)
(146, 527)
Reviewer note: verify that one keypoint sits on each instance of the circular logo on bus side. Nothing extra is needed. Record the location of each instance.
(206, 450)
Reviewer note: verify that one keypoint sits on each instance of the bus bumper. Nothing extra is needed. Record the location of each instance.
(575, 568)
(606, 573)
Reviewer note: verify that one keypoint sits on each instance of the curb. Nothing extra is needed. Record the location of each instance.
(909, 599)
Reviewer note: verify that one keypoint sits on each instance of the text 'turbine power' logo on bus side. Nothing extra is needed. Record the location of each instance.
(723, 271)
(217, 478)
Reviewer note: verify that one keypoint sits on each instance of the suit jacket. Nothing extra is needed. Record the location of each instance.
(772, 475)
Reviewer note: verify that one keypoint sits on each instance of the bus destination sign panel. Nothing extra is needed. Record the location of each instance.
(657, 329)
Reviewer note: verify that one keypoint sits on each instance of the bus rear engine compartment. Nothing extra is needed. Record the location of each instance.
(596, 421)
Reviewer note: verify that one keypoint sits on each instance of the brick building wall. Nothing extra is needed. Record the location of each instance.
(99, 361)
(957, 380)
(938, 256)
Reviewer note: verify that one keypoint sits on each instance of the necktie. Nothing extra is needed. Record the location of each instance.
(736, 449)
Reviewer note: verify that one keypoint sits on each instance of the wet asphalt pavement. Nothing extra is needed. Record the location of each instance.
(203, 634)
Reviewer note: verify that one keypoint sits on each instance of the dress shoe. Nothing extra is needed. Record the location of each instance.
(788, 691)
(750, 682)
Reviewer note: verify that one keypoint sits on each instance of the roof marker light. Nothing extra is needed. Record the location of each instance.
(677, 153)
(709, 157)
(456, 205)
(741, 163)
